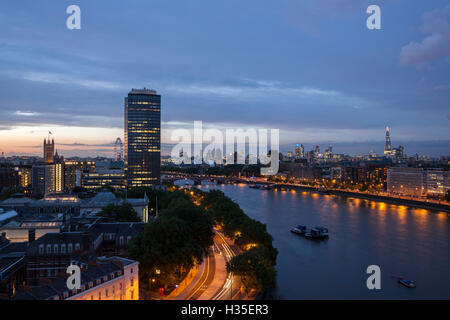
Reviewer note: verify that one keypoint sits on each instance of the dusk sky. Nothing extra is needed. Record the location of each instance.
(309, 68)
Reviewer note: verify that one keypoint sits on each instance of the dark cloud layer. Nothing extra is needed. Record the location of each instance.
(301, 66)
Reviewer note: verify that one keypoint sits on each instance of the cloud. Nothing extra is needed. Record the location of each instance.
(436, 24)
(26, 113)
(249, 88)
(68, 79)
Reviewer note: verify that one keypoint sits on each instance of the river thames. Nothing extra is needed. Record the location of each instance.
(403, 241)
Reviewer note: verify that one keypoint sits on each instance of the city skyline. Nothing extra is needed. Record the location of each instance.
(316, 90)
(347, 148)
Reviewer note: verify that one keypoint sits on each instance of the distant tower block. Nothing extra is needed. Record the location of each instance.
(118, 150)
(387, 144)
(49, 149)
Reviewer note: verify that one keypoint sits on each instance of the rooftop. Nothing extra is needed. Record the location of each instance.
(143, 91)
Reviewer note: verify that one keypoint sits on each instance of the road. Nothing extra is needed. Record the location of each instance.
(215, 283)
(230, 289)
(206, 278)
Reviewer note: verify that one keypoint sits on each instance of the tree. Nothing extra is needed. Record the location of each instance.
(198, 221)
(121, 213)
(254, 268)
(173, 243)
(256, 265)
(164, 250)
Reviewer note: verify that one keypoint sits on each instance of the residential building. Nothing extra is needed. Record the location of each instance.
(113, 278)
(406, 181)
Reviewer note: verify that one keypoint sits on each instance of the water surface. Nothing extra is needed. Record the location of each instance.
(403, 241)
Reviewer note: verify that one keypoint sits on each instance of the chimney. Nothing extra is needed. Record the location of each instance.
(31, 235)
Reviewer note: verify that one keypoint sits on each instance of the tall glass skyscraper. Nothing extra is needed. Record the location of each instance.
(387, 144)
(142, 138)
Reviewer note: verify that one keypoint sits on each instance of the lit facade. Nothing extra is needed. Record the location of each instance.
(436, 181)
(406, 181)
(25, 177)
(73, 171)
(117, 285)
(96, 180)
(142, 138)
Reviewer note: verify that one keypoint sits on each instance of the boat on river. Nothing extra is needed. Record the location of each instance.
(316, 233)
(300, 230)
(407, 283)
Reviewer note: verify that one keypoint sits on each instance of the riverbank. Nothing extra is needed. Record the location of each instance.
(393, 200)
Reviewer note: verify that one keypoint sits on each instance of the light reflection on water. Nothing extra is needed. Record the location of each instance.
(403, 241)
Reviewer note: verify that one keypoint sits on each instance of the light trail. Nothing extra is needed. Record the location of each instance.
(201, 286)
(228, 285)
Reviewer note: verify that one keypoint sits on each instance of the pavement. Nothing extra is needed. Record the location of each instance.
(188, 283)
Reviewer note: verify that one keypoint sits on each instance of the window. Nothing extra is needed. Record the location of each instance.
(49, 272)
(114, 289)
(77, 246)
(132, 295)
(121, 241)
(131, 281)
(100, 295)
(63, 248)
(49, 249)
(131, 270)
(106, 292)
(120, 287)
(92, 297)
(69, 248)
(55, 249)
(41, 249)
(128, 239)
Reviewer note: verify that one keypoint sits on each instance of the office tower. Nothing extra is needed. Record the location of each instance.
(328, 152)
(387, 145)
(38, 179)
(297, 152)
(9, 177)
(49, 149)
(142, 138)
(54, 178)
(73, 171)
(25, 175)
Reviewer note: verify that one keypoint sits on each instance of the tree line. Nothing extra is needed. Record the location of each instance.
(256, 264)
